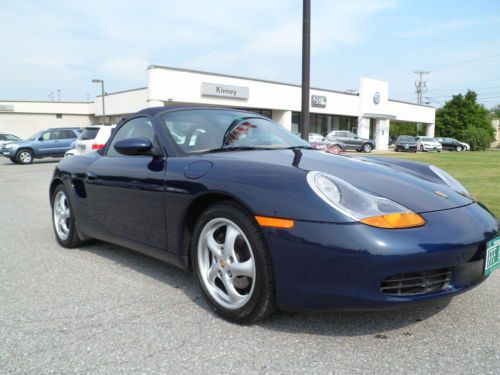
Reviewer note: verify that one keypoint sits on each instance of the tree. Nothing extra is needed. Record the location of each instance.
(460, 116)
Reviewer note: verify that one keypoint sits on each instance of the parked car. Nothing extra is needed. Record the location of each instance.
(351, 140)
(91, 138)
(46, 143)
(428, 144)
(8, 138)
(265, 221)
(319, 142)
(451, 144)
(405, 143)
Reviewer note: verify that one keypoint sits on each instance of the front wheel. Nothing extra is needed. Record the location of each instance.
(24, 157)
(459, 148)
(367, 147)
(232, 264)
(63, 219)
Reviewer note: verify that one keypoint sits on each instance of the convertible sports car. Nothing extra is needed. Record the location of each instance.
(265, 221)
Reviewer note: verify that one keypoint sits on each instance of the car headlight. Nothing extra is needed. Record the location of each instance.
(8, 146)
(360, 205)
(450, 181)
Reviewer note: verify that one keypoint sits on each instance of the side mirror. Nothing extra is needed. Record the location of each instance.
(135, 147)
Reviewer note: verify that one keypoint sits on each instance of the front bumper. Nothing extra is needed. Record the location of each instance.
(322, 266)
(8, 152)
(431, 148)
(408, 148)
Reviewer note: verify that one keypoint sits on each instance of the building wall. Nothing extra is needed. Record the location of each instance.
(25, 118)
(121, 103)
(25, 124)
(495, 123)
(180, 86)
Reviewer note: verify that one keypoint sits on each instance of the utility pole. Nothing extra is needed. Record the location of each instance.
(421, 87)
(306, 68)
(58, 95)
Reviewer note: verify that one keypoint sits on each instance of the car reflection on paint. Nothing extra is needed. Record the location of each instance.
(264, 221)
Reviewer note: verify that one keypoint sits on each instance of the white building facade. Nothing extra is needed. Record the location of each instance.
(367, 113)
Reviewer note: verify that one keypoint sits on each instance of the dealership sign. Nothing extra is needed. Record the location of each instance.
(318, 101)
(6, 108)
(224, 91)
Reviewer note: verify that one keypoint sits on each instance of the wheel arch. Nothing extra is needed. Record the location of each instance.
(53, 185)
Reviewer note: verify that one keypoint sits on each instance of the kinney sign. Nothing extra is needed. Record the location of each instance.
(225, 91)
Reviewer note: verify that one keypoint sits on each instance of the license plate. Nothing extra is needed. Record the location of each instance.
(407, 147)
(492, 256)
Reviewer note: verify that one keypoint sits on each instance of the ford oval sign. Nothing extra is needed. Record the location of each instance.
(376, 98)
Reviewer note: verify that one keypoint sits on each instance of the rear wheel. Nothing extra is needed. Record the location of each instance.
(63, 219)
(24, 156)
(232, 264)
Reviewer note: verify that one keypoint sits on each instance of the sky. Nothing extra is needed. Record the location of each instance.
(48, 45)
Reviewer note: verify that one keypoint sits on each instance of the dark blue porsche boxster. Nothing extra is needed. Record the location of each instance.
(265, 221)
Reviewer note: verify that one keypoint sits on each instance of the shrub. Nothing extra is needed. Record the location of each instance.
(479, 139)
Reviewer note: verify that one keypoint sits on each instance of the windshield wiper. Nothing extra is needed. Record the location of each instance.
(297, 147)
(237, 148)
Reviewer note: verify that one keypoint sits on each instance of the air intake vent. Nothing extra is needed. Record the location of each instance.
(79, 188)
(415, 283)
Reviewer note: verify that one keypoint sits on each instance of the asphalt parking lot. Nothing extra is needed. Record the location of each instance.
(103, 309)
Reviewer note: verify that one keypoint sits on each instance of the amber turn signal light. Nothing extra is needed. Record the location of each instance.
(274, 222)
(395, 221)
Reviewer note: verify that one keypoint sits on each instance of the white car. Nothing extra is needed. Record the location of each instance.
(91, 139)
(428, 144)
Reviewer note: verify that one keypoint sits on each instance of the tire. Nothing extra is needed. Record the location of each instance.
(367, 147)
(252, 295)
(459, 148)
(63, 219)
(422, 148)
(24, 156)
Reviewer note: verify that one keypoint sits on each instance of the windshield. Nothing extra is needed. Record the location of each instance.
(201, 130)
(34, 136)
(406, 138)
(428, 139)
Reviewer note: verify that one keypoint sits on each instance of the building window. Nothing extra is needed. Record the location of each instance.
(58, 115)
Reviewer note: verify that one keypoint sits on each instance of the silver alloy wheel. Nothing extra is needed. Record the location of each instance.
(61, 215)
(459, 148)
(25, 157)
(367, 147)
(226, 263)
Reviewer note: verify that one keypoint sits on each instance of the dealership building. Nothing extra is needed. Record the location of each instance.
(368, 112)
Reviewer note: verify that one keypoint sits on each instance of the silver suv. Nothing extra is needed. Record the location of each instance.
(351, 141)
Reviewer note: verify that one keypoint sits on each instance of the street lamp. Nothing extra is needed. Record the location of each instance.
(306, 58)
(102, 91)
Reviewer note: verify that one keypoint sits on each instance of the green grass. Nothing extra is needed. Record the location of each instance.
(479, 172)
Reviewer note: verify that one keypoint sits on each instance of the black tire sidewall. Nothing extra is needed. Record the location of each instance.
(264, 276)
(73, 240)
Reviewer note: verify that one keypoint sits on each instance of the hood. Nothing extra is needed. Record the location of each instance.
(402, 185)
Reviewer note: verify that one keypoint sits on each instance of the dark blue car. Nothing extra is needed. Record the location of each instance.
(265, 221)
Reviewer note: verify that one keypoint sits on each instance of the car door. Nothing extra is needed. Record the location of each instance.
(126, 193)
(353, 140)
(65, 139)
(46, 143)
